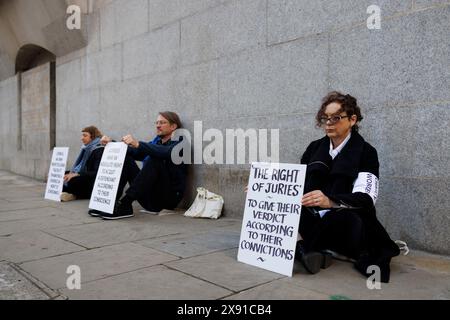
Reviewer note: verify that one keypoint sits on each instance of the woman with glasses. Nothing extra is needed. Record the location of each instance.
(340, 193)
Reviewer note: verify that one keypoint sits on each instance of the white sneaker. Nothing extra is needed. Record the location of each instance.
(402, 246)
(67, 197)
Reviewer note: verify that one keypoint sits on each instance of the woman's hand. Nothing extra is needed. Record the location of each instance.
(316, 198)
(69, 176)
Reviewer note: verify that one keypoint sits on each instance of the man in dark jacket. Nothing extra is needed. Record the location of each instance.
(160, 184)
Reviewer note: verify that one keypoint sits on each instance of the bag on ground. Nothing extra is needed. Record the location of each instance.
(206, 205)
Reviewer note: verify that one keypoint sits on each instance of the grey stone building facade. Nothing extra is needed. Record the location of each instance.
(238, 64)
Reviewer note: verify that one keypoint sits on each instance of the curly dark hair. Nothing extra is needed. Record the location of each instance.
(349, 105)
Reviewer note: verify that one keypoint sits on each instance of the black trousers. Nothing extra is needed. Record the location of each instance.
(80, 186)
(341, 231)
(150, 186)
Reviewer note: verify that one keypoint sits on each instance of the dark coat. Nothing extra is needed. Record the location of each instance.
(82, 185)
(93, 163)
(335, 179)
(163, 151)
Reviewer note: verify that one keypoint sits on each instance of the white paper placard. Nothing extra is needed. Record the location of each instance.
(107, 180)
(56, 173)
(271, 216)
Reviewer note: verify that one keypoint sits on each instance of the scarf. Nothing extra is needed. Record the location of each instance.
(85, 153)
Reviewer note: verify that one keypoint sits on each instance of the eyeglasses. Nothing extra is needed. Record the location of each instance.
(332, 119)
(161, 122)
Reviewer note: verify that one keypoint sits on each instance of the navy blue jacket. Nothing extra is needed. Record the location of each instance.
(163, 151)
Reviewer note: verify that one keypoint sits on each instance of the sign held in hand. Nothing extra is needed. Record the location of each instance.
(272, 215)
(107, 180)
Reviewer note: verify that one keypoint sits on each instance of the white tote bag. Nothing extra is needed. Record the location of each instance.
(206, 205)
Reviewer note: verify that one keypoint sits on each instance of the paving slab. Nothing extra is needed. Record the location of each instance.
(154, 283)
(342, 280)
(222, 268)
(111, 232)
(140, 227)
(10, 179)
(96, 264)
(8, 183)
(12, 206)
(79, 206)
(19, 193)
(191, 224)
(25, 197)
(278, 290)
(25, 214)
(75, 210)
(194, 245)
(78, 210)
(80, 217)
(14, 286)
(10, 188)
(426, 261)
(32, 245)
(38, 223)
(16, 185)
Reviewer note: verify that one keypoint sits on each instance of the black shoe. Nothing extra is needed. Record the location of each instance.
(95, 213)
(122, 210)
(327, 260)
(312, 261)
(365, 261)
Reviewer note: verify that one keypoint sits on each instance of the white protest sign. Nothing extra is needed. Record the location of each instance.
(56, 173)
(107, 180)
(271, 216)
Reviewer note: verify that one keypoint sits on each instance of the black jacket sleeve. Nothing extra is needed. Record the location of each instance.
(93, 163)
(136, 153)
(360, 200)
(308, 153)
(159, 151)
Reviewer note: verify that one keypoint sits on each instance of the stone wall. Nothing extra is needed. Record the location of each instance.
(267, 64)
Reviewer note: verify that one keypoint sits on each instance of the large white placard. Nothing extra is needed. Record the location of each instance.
(56, 173)
(107, 180)
(271, 216)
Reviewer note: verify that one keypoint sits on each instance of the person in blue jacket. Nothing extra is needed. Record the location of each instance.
(160, 184)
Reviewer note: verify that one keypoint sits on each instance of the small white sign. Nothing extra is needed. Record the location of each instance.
(271, 216)
(56, 173)
(107, 180)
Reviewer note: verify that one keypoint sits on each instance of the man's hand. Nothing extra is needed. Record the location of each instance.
(316, 198)
(105, 140)
(69, 176)
(131, 141)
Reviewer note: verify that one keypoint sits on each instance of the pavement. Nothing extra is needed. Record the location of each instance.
(43, 245)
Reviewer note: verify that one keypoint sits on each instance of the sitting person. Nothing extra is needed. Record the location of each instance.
(340, 192)
(160, 183)
(79, 181)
